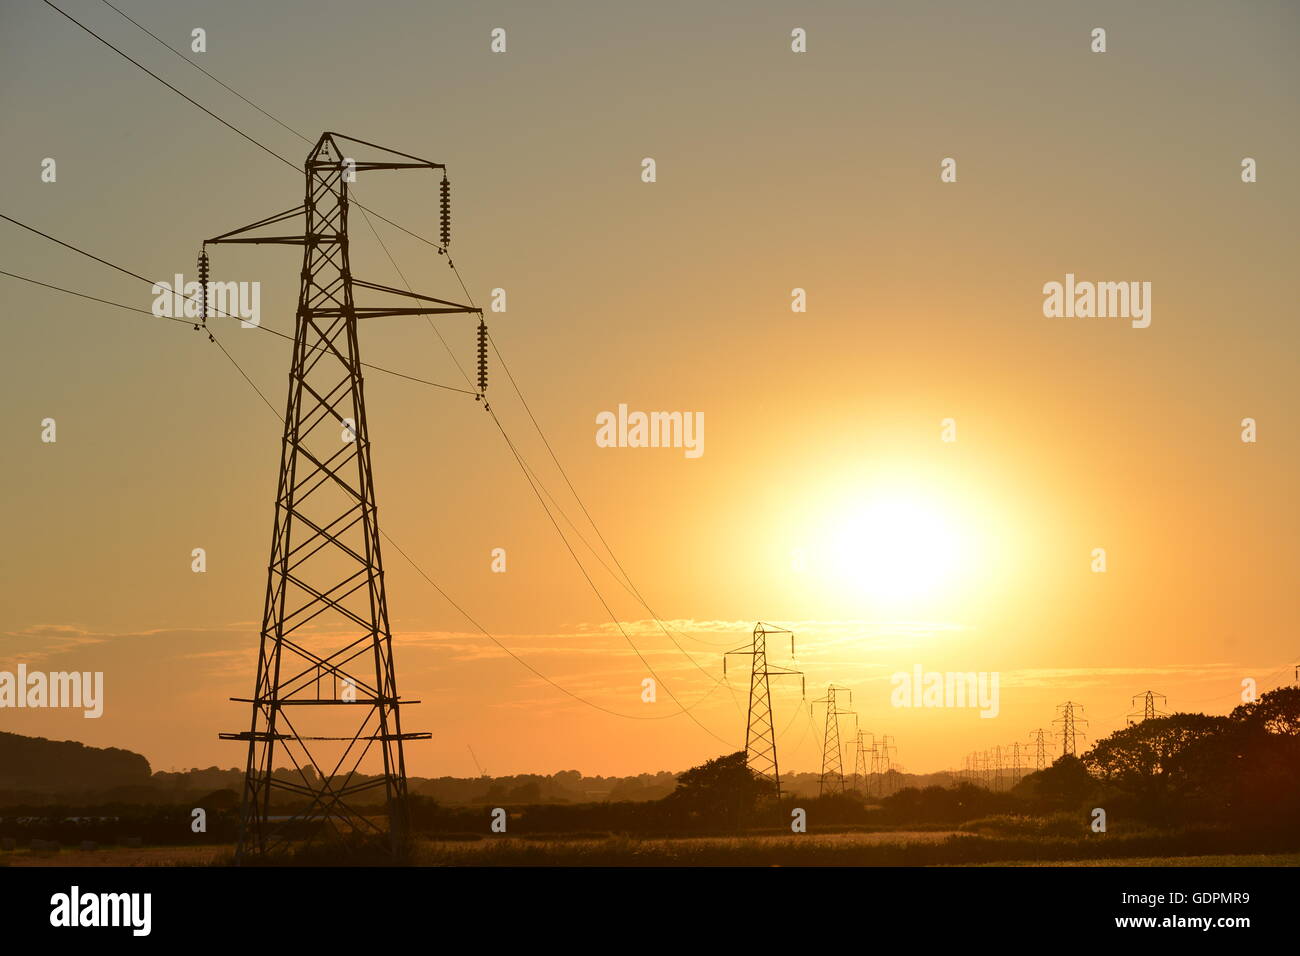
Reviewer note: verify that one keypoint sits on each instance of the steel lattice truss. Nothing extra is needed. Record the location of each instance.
(832, 776)
(760, 734)
(325, 702)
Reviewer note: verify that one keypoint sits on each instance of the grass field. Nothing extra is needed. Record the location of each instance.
(1225, 859)
(119, 856)
(892, 848)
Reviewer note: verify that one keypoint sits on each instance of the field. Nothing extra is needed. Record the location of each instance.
(119, 856)
(906, 848)
(1225, 859)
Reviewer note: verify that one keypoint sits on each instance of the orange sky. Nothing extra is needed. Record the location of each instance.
(775, 171)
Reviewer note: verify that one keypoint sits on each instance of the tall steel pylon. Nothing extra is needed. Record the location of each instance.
(832, 776)
(1039, 737)
(760, 733)
(1070, 731)
(1149, 710)
(325, 698)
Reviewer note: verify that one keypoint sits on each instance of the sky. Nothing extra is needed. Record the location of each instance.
(826, 499)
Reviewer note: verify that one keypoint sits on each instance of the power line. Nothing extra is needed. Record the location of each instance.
(130, 308)
(414, 564)
(191, 100)
(188, 298)
(196, 66)
(223, 122)
(601, 598)
(365, 212)
(409, 559)
(364, 209)
(630, 585)
(531, 475)
(83, 295)
(213, 339)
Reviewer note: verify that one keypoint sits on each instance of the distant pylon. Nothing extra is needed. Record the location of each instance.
(1016, 772)
(760, 733)
(832, 777)
(884, 760)
(1149, 710)
(871, 759)
(1070, 731)
(860, 766)
(1039, 737)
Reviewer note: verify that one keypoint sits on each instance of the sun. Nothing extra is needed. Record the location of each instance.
(894, 548)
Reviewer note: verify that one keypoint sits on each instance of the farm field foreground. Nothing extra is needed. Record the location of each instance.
(893, 848)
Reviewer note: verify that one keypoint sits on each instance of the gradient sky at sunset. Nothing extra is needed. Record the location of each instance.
(775, 171)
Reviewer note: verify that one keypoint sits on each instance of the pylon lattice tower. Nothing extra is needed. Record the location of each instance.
(861, 767)
(760, 732)
(1016, 773)
(1149, 710)
(884, 747)
(325, 696)
(870, 760)
(1070, 732)
(832, 776)
(1039, 737)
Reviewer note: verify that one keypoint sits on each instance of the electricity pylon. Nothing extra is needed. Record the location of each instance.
(884, 762)
(1015, 774)
(326, 654)
(760, 733)
(1149, 710)
(870, 761)
(861, 767)
(832, 777)
(1039, 737)
(1070, 731)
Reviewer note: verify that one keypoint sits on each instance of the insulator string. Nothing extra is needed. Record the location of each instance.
(203, 285)
(482, 357)
(445, 231)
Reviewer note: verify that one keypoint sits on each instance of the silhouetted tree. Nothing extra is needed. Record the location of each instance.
(1277, 712)
(956, 804)
(1151, 756)
(1183, 766)
(1064, 785)
(720, 792)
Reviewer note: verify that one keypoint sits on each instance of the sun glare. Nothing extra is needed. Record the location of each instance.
(895, 548)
